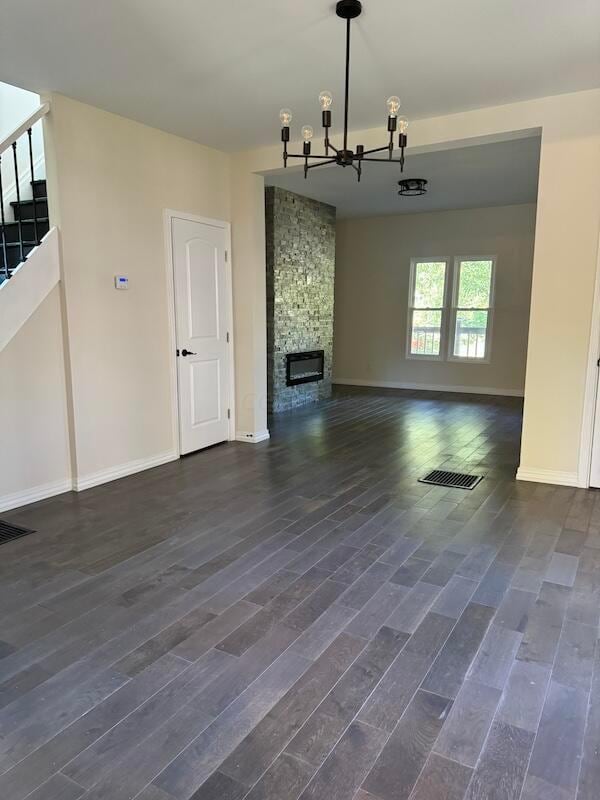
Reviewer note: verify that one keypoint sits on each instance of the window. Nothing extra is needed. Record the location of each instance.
(426, 316)
(451, 321)
(472, 308)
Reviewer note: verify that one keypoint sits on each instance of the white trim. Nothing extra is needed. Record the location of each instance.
(430, 387)
(555, 477)
(122, 470)
(31, 283)
(168, 217)
(586, 443)
(254, 438)
(454, 308)
(33, 495)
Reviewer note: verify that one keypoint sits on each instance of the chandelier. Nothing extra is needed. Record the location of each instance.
(348, 10)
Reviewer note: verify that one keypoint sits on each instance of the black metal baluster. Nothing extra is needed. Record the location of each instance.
(35, 222)
(3, 220)
(20, 221)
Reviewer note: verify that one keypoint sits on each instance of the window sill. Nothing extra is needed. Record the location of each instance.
(423, 357)
(468, 360)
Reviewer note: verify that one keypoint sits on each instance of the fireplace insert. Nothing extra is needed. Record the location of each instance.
(304, 367)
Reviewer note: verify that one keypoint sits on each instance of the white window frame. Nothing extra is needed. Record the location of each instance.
(454, 308)
(444, 308)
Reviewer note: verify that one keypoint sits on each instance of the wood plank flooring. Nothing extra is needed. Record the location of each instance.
(301, 619)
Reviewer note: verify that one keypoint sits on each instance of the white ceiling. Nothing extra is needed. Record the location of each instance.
(503, 173)
(218, 72)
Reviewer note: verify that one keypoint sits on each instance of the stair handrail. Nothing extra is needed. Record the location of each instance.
(38, 114)
(10, 142)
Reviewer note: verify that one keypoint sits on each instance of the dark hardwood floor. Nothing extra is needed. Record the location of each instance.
(303, 619)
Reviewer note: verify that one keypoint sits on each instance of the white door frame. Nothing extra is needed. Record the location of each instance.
(591, 388)
(169, 216)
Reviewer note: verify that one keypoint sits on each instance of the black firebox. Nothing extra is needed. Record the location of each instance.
(304, 367)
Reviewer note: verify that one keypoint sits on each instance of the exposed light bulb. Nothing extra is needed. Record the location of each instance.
(393, 104)
(285, 115)
(325, 99)
(402, 124)
(307, 133)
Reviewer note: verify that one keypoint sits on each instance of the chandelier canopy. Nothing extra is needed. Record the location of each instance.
(348, 10)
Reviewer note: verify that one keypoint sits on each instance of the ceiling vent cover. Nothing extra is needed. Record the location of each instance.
(453, 480)
(9, 532)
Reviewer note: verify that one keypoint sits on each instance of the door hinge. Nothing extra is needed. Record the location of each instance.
(228, 413)
(228, 340)
(226, 256)
(598, 363)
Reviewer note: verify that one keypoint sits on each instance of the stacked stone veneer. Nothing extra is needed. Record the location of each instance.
(300, 285)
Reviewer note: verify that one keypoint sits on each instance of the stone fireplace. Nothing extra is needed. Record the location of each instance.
(300, 285)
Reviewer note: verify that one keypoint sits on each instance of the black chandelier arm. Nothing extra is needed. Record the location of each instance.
(299, 155)
(383, 160)
(321, 163)
(376, 150)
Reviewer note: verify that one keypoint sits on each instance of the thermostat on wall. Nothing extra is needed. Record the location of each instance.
(121, 282)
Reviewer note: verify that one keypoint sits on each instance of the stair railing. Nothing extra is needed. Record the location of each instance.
(12, 141)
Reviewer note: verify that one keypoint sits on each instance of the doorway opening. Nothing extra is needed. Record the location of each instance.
(427, 294)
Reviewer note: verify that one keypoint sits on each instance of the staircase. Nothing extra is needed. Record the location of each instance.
(19, 235)
(29, 248)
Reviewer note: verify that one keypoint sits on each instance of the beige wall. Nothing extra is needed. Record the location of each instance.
(110, 181)
(372, 284)
(34, 443)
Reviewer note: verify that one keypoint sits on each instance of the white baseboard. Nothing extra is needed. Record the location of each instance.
(122, 470)
(430, 387)
(261, 436)
(556, 477)
(18, 499)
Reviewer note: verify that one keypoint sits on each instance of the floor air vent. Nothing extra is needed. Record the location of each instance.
(9, 532)
(453, 480)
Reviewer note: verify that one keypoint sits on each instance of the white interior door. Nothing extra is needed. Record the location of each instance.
(202, 329)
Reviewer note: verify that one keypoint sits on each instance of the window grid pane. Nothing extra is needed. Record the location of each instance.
(430, 282)
(426, 332)
(470, 333)
(474, 284)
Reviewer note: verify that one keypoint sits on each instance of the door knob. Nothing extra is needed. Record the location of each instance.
(185, 353)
